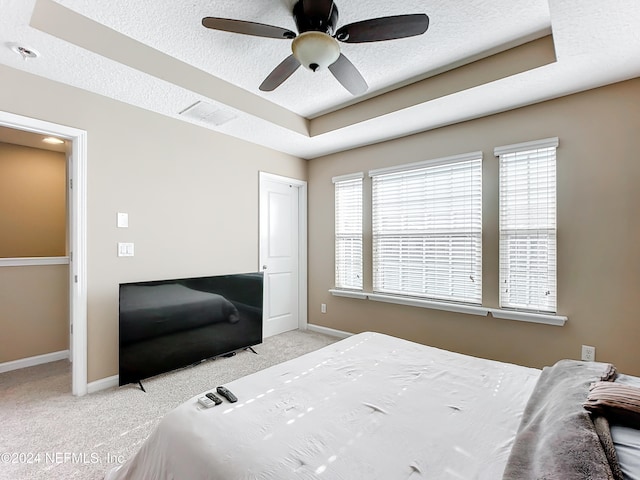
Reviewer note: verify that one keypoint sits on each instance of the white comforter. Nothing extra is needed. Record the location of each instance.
(368, 407)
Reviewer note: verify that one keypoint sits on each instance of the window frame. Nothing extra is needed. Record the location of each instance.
(431, 170)
(540, 229)
(345, 267)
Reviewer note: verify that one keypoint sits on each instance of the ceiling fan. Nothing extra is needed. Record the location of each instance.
(316, 46)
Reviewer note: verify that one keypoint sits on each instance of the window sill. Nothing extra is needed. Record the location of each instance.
(348, 293)
(413, 302)
(416, 302)
(546, 319)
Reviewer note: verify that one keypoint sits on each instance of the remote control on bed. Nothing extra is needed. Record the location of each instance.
(207, 402)
(213, 398)
(227, 394)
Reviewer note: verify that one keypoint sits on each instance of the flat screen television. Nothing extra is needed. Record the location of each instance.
(170, 324)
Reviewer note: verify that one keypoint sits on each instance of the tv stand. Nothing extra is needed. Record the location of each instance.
(252, 350)
(141, 387)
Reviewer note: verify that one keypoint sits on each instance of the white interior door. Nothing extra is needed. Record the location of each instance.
(280, 253)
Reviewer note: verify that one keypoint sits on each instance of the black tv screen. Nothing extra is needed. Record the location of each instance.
(170, 324)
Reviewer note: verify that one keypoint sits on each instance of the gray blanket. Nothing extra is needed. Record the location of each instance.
(557, 438)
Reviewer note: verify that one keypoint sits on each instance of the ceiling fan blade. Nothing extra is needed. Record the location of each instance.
(384, 28)
(348, 75)
(247, 28)
(320, 8)
(280, 74)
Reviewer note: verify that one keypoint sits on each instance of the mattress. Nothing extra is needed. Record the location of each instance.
(369, 407)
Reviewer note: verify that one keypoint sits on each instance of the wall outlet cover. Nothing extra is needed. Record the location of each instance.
(588, 353)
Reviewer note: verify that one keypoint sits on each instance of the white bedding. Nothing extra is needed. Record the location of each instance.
(627, 439)
(368, 407)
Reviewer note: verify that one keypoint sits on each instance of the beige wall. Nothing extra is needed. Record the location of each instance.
(34, 311)
(598, 233)
(34, 305)
(191, 195)
(32, 202)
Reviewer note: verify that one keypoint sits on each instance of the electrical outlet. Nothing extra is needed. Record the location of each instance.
(323, 308)
(588, 353)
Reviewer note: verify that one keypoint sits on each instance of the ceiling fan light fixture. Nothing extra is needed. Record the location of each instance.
(316, 47)
(315, 50)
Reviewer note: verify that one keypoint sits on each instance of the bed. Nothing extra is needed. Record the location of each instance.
(373, 406)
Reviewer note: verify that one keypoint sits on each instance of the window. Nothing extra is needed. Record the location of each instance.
(427, 229)
(528, 225)
(348, 211)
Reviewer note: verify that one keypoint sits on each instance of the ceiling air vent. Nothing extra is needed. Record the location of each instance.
(203, 112)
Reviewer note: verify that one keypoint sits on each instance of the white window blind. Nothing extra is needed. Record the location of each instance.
(427, 229)
(528, 225)
(348, 248)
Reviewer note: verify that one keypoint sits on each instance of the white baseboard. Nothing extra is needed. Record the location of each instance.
(32, 361)
(103, 384)
(328, 331)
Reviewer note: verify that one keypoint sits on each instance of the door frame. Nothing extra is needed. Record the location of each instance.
(301, 185)
(77, 236)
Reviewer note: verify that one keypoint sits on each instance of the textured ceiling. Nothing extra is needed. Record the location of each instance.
(246, 60)
(156, 55)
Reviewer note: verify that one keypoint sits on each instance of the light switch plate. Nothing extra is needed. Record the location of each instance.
(123, 220)
(125, 249)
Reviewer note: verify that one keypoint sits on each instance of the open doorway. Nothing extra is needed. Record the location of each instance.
(76, 243)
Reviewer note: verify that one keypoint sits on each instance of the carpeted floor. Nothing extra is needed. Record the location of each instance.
(45, 432)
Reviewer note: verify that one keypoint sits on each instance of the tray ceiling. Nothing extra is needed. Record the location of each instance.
(156, 55)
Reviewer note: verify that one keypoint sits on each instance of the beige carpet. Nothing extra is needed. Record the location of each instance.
(45, 432)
